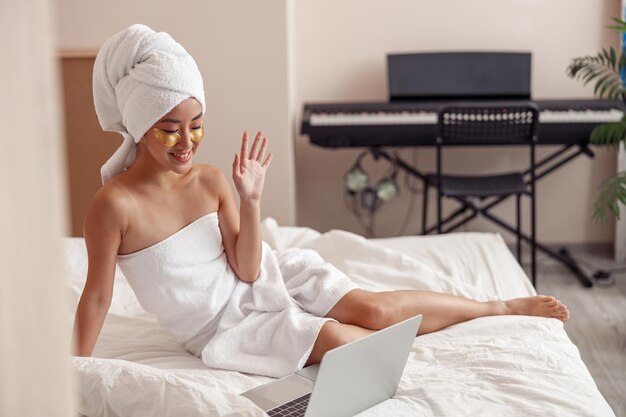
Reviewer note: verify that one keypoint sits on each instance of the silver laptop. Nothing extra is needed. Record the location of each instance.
(349, 379)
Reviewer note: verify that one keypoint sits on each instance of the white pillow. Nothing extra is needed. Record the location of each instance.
(124, 300)
(283, 237)
(115, 387)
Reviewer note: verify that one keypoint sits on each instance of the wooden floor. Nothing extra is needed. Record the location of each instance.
(598, 317)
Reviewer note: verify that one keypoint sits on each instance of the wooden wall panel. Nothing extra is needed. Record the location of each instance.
(87, 146)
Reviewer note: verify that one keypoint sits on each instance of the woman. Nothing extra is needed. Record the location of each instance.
(198, 262)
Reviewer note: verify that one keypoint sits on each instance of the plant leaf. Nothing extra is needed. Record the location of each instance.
(601, 83)
(620, 26)
(613, 58)
(609, 133)
(612, 194)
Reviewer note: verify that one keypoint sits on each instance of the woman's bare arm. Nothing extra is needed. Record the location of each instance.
(102, 229)
(241, 232)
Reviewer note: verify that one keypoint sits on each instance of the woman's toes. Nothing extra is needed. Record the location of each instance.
(563, 313)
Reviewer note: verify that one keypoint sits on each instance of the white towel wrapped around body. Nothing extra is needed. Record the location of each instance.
(139, 76)
(266, 328)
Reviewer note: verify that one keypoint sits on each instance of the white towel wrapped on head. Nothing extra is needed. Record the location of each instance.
(139, 76)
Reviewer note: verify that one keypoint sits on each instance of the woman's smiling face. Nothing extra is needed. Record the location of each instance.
(174, 139)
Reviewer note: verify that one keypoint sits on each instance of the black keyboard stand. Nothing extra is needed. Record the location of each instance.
(543, 167)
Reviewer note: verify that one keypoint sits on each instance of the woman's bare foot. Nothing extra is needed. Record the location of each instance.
(539, 305)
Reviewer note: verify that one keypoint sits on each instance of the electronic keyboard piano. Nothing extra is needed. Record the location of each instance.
(420, 84)
(400, 123)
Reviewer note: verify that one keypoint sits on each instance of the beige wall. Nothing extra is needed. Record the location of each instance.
(262, 61)
(241, 49)
(340, 56)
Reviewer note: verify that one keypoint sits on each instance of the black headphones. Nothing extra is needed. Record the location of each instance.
(357, 184)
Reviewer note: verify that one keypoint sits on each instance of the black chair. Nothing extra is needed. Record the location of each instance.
(485, 124)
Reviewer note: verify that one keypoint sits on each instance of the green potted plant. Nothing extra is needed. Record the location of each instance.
(606, 70)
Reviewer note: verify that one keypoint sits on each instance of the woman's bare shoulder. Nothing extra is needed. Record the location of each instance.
(211, 176)
(110, 207)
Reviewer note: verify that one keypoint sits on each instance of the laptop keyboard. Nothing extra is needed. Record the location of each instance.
(293, 408)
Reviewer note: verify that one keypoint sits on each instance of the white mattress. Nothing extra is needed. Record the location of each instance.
(494, 366)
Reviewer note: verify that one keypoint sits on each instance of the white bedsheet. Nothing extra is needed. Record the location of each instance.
(495, 366)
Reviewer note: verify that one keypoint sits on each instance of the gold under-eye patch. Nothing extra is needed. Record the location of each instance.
(170, 139)
(166, 138)
(197, 134)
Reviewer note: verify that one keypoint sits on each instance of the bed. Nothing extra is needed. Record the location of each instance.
(493, 366)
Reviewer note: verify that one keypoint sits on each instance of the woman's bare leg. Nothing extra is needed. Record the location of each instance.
(333, 335)
(377, 310)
